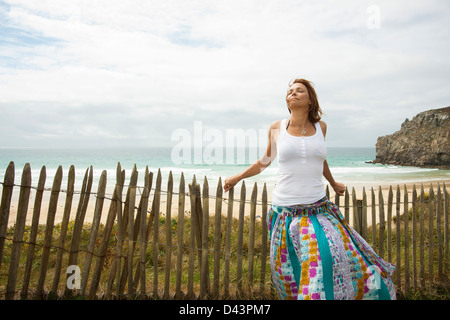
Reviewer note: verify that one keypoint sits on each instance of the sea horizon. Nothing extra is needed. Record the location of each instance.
(348, 165)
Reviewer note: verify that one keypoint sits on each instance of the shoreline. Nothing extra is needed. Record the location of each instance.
(359, 188)
(424, 166)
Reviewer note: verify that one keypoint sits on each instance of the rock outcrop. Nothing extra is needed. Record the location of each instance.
(423, 141)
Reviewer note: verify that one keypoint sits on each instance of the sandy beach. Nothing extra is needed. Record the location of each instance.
(212, 203)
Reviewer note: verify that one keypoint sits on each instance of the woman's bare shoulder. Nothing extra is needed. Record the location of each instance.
(275, 125)
(323, 126)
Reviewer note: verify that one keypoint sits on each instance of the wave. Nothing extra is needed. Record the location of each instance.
(351, 174)
(381, 170)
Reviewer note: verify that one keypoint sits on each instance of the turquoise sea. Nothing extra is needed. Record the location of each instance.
(348, 165)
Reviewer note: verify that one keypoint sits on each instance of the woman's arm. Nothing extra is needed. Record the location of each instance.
(259, 165)
(339, 188)
(251, 171)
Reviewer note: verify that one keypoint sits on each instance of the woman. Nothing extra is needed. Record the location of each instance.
(314, 253)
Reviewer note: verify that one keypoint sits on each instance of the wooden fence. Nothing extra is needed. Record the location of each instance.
(190, 251)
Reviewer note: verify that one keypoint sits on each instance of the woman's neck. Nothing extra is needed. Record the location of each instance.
(299, 119)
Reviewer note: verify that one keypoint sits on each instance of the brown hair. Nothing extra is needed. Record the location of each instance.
(315, 113)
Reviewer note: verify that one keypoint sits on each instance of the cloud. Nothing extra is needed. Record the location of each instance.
(135, 71)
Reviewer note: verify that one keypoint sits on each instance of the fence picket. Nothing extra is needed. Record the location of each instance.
(414, 235)
(422, 236)
(8, 185)
(363, 212)
(33, 233)
(430, 233)
(439, 232)
(64, 227)
(19, 230)
(116, 264)
(79, 220)
(398, 234)
(240, 238)
(337, 198)
(49, 231)
(168, 223)
(264, 239)
(217, 239)
(446, 251)
(94, 230)
(131, 200)
(140, 271)
(406, 232)
(143, 231)
(180, 228)
(192, 195)
(227, 254)
(155, 221)
(204, 266)
(382, 229)
(251, 241)
(347, 205)
(389, 224)
(374, 219)
(356, 216)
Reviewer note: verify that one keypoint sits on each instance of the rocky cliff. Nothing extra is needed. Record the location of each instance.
(423, 141)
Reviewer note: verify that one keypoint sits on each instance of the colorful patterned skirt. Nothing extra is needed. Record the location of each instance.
(315, 254)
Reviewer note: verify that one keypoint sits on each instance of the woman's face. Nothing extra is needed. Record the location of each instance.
(297, 95)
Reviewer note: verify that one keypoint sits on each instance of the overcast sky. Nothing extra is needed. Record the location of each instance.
(130, 73)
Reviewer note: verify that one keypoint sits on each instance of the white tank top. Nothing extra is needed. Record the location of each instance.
(300, 161)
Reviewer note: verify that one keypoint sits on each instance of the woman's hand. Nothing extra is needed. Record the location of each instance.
(339, 188)
(230, 182)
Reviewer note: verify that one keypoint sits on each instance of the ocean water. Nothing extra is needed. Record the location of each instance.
(348, 165)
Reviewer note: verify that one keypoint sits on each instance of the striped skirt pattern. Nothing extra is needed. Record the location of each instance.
(316, 255)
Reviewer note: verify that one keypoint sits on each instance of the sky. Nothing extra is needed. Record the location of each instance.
(94, 73)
